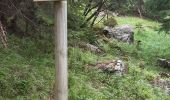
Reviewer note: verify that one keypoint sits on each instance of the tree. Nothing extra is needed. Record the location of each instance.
(160, 8)
(13, 11)
(91, 5)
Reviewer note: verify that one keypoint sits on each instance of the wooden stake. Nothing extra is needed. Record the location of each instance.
(60, 29)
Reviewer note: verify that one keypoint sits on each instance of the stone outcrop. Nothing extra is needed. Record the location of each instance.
(116, 66)
(122, 33)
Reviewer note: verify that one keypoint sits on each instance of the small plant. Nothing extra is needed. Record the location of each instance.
(111, 22)
(139, 28)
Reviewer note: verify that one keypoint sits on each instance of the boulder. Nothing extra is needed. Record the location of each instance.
(123, 33)
(115, 66)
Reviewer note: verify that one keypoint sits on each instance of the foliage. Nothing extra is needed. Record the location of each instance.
(165, 25)
(75, 19)
(111, 22)
(85, 35)
(21, 11)
(92, 84)
(27, 66)
(27, 72)
(22, 69)
(139, 28)
(160, 8)
(158, 5)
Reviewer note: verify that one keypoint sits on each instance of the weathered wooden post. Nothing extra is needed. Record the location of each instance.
(60, 30)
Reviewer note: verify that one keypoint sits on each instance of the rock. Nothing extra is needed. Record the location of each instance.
(90, 47)
(162, 83)
(128, 29)
(163, 63)
(122, 33)
(108, 31)
(115, 66)
(164, 75)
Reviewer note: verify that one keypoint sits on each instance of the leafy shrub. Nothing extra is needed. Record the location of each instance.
(85, 35)
(165, 25)
(75, 18)
(110, 22)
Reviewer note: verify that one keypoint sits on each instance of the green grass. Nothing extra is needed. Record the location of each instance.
(27, 66)
(135, 20)
(22, 69)
(134, 86)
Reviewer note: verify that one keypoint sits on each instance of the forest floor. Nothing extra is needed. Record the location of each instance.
(27, 67)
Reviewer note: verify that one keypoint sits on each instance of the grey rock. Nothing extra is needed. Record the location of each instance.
(122, 33)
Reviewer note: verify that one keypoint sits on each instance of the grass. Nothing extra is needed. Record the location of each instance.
(27, 66)
(135, 20)
(134, 86)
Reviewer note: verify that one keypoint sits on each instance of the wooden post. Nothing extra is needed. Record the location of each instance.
(61, 50)
(60, 30)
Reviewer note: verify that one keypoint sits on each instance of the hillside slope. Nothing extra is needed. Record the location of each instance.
(27, 66)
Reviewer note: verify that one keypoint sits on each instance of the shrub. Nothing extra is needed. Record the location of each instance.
(110, 22)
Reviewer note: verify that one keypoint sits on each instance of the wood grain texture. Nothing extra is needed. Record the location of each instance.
(60, 29)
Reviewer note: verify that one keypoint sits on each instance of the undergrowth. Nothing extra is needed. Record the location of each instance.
(27, 66)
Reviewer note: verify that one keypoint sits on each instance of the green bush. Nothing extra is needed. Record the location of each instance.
(110, 22)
